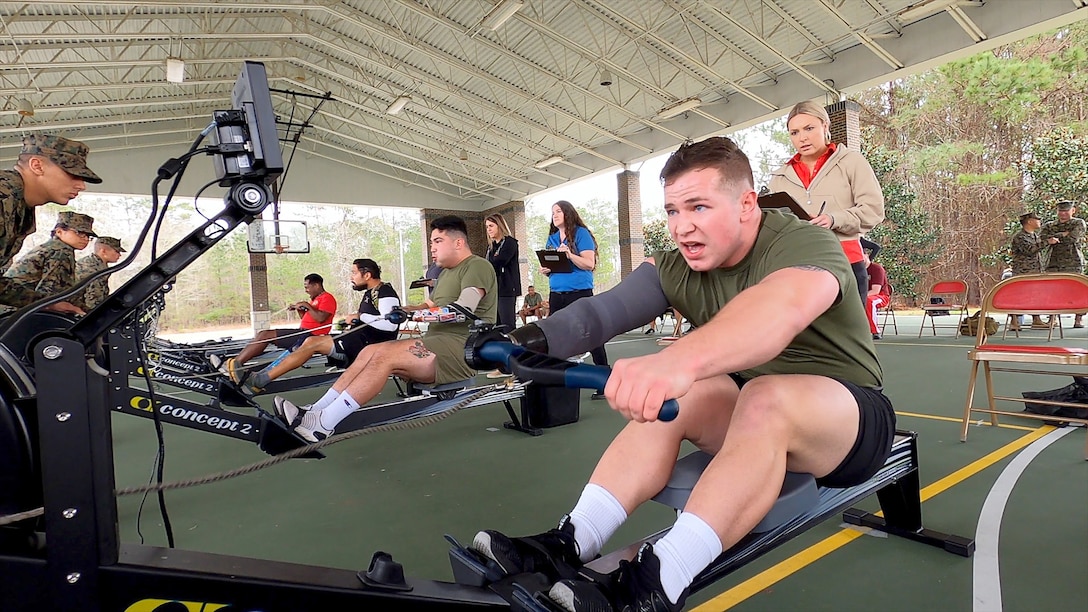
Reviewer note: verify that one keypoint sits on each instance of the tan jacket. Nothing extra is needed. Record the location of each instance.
(847, 184)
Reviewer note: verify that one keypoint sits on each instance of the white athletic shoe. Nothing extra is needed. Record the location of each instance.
(288, 411)
(310, 428)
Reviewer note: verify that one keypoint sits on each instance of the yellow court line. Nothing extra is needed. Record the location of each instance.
(955, 420)
(777, 572)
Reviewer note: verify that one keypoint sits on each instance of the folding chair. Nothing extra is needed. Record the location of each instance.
(1041, 294)
(1056, 322)
(888, 310)
(954, 294)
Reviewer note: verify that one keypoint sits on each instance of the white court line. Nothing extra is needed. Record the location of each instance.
(986, 569)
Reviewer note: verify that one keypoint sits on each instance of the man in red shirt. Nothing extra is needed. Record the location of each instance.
(879, 294)
(315, 316)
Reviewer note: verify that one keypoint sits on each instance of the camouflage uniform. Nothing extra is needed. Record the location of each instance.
(48, 269)
(16, 223)
(1026, 250)
(98, 290)
(1068, 254)
(17, 216)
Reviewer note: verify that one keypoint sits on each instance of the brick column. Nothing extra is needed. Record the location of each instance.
(629, 210)
(845, 123)
(259, 315)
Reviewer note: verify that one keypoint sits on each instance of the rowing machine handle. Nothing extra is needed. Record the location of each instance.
(548, 370)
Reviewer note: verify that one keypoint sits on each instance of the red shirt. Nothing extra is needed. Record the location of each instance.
(878, 276)
(801, 168)
(325, 303)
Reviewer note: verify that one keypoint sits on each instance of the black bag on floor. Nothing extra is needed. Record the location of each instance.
(1076, 393)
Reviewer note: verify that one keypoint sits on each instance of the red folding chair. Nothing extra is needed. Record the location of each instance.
(953, 294)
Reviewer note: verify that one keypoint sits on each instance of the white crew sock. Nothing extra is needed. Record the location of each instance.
(596, 516)
(325, 400)
(337, 411)
(686, 550)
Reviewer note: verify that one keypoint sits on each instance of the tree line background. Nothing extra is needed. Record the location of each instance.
(961, 151)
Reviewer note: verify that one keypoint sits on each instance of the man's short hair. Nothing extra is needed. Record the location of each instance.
(717, 152)
(1066, 205)
(450, 223)
(368, 265)
(532, 287)
(314, 279)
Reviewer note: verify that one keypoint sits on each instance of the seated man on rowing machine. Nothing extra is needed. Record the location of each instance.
(315, 318)
(779, 374)
(369, 326)
(467, 282)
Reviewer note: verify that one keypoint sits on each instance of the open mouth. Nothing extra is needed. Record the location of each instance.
(692, 250)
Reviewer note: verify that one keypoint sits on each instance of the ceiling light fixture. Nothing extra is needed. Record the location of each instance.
(175, 70)
(464, 154)
(502, 13)
(606, 77)
(925, 9)
(24, 107)
(398, 105)
(548, 161)
(679, 108)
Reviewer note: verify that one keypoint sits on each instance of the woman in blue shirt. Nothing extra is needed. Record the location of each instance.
(569, 234)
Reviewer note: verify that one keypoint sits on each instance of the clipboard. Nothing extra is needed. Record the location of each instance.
(783, 201)
(422, 282)
(556, 261)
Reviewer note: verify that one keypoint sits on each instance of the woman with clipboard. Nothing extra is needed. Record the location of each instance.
(836, 186)
(569, 234)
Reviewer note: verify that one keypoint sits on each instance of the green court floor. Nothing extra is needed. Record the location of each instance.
(400, 492)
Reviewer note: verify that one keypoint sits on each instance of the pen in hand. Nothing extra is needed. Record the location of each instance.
(822, 208)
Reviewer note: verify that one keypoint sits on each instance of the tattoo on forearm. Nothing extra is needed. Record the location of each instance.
(809, 268)
(419, 350)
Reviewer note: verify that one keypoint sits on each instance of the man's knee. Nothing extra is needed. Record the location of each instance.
(761, 403)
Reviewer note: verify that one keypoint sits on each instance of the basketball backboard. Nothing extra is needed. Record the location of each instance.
(277, 236)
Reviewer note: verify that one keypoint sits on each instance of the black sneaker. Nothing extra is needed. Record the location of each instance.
(553, 553)
(634, 587)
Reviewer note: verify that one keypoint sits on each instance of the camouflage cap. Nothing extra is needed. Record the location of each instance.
(1065, 205)
(78, 222)
(112, 242)
(68, 154)
(1028, 215)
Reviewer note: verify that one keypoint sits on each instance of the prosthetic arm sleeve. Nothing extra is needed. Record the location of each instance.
(469, 299)
(590, 322)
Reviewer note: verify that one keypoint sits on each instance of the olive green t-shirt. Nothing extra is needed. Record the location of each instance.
(837, 344)
(474, 271)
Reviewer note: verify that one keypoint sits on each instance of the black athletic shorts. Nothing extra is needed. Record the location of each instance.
(288, 339)
(876, 431)
(350, 344)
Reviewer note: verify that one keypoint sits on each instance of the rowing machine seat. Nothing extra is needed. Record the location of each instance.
(799, 492)
(443, 391)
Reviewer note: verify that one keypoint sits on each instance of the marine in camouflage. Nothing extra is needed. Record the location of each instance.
(1027, 253)
(98, 290)
(16, 223)
(1068, 254)
(48, 269)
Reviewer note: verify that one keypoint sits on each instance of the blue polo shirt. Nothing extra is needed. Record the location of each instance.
(578, 279)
